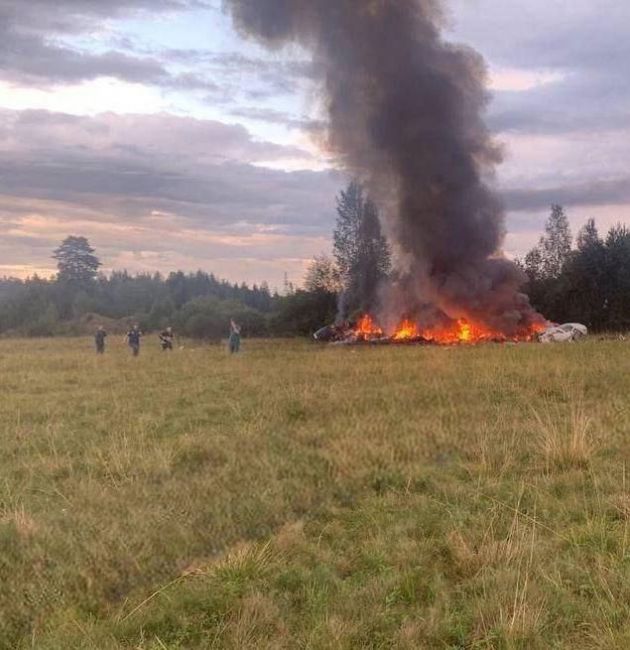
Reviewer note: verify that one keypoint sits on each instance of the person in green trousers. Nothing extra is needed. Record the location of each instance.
(234, 342)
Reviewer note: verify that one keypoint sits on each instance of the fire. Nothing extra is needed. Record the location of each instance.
(406, 331)
(465, 333)
(367, 329)
(460, 331)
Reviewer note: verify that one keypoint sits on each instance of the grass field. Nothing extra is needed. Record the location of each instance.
(314, 497)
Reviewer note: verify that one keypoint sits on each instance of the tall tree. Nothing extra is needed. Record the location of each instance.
(533, 265)
(545, 263)
(361, 251)
(588, 236)
(555, 244)
(346, 234)
(616, 279)
(76, 261)
(585, 286)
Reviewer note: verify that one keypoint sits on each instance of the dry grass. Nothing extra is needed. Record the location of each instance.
(310, 497)
(565, 440)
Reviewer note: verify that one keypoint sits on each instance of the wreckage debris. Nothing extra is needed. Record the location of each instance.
(409, 332)
(367, 331)
(563, 333)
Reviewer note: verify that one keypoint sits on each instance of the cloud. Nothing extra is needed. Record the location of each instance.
(276, 71)
(157, 242)
(593, 193)
(580, 102)
(583, 43)
(201, 169)
(240, 76)
(176, 186)
(44, 46)
(273, 116)
(539, 34)
(561, 103)
(162, 138)
(33, 50)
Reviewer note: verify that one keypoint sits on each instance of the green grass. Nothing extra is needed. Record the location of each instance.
(300, 496)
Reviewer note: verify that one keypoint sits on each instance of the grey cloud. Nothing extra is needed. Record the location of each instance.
(32, 51)
(274, 76)
(182, 143)
(599, 102)
(272, 116)
(239, 74)
(217, 197)
(257, 78)
(607, 192)
(129, 166)
(31, 60)
(575, 34)
(585, 41)
(67, 16)
(237, 62)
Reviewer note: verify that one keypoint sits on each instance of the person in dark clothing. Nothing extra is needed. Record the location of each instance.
(99, 339)
(166, 339)
(234, 342)
(133, 339)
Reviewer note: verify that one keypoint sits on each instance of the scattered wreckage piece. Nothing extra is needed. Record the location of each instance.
(563, 333)
(330, 334)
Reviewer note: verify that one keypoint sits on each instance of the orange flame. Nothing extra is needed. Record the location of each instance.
(460, 331)
(367, 329)
(406, 330)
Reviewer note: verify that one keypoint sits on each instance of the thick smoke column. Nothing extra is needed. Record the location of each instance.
(405, 116)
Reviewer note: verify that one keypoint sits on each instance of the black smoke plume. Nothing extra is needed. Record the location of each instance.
(405, 116)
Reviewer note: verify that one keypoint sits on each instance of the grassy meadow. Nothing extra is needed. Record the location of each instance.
(299, 496)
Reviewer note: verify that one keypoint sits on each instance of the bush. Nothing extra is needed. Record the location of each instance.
(209, 318)
(304, 312)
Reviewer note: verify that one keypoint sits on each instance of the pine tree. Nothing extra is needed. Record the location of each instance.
(76, 261)
(583, 281)
(361, 251)
(616, 280)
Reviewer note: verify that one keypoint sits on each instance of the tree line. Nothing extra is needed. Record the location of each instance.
(585, 280)
(199, 305)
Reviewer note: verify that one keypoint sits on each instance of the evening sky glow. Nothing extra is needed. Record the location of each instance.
(173, 143)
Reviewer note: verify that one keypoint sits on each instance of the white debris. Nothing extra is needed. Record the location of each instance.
(563, 333)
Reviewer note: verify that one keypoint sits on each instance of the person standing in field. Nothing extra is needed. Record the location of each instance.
(166, 339)
(234, 342)
(99, 339)
(133, 339)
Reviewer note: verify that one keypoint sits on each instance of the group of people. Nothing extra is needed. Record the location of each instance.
(166, 338)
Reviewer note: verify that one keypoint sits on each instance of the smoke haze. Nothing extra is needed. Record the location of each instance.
(405, 116)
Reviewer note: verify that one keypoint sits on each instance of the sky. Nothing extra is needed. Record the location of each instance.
(172, 142)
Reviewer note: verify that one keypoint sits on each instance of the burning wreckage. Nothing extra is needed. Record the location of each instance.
(459, 332)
